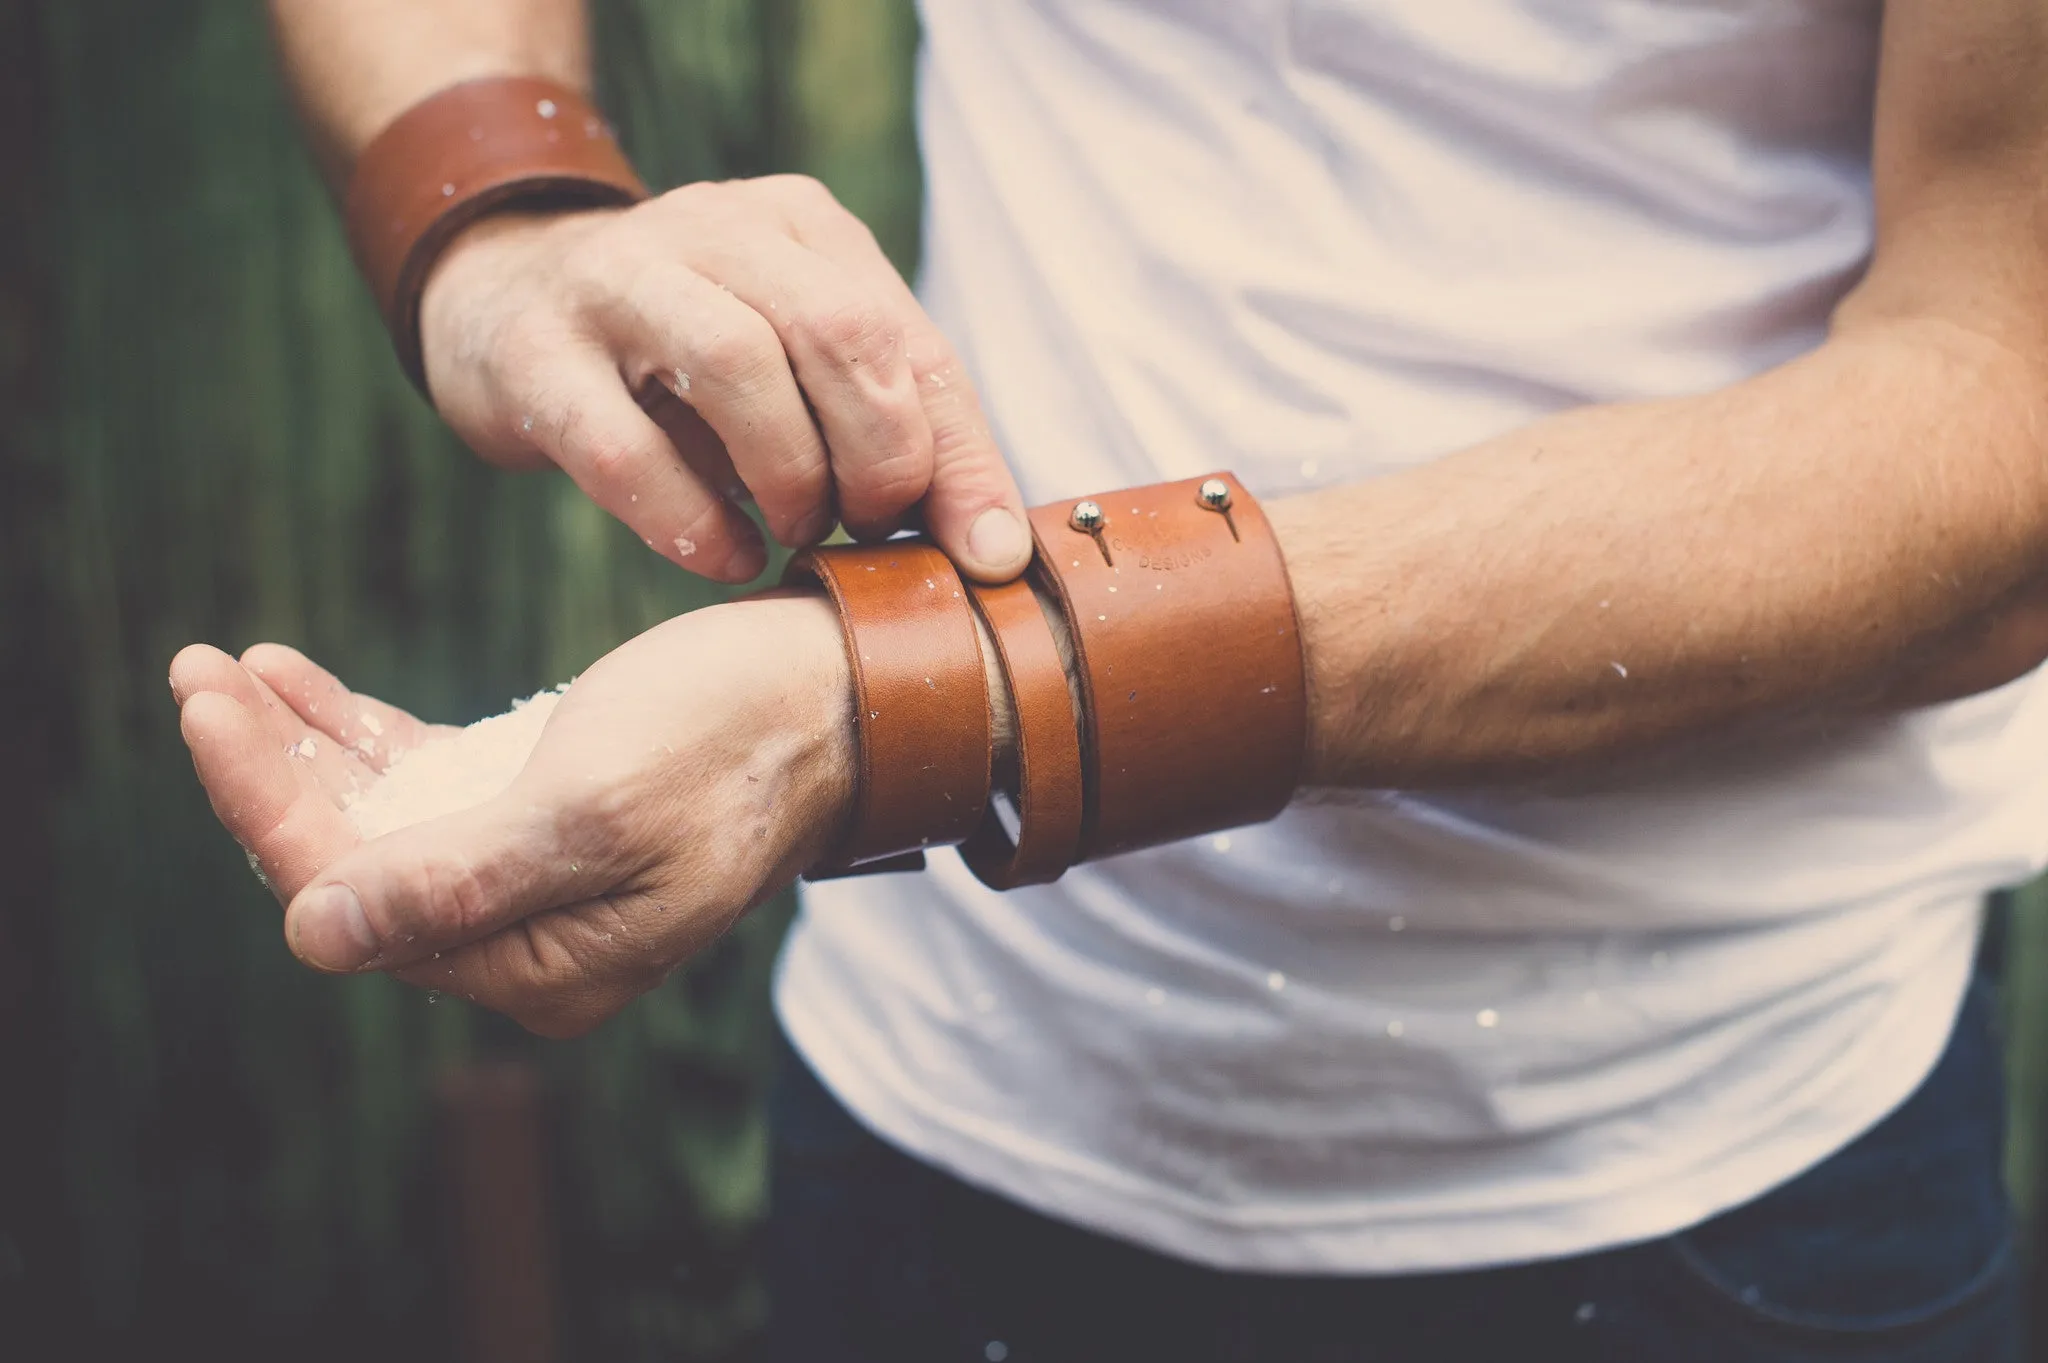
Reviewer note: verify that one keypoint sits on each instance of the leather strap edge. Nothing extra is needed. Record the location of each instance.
(1050, 802)
(469, 150)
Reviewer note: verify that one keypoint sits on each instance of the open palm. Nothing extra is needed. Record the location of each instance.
(685, 777)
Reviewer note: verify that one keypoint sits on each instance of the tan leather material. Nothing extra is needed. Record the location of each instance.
(1049, 805)
(462, 153)
(922, 696)
(1190, 662)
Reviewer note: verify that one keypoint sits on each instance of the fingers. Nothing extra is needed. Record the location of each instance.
(559, 973)
(272, 808)
(972, 507)
(844, 339)
(726, 361)
(619, 456)
(441, 884)
(563, 972)
(373, 731)
(768, 310)
(703, 454)
(199, 668)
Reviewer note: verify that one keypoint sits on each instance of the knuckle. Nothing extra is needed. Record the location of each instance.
(611, 462)
(938, 370)
(894, 480)
(850, 332)
(740, 352)
(898, 412)
(541, 967)
(704, 531)
(974, 485)
(793, 491)
(454, 897)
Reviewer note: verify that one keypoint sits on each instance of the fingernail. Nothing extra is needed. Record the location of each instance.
(997, 539)
(331, 931)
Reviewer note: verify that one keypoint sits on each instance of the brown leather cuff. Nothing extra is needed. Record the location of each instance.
(922, 696)
(1048, 800)
(473, 149)
(1189, 655)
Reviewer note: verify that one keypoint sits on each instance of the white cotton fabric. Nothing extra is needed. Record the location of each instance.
(1315, 241)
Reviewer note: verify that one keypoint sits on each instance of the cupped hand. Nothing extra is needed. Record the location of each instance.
(722, 340)
(683, 779)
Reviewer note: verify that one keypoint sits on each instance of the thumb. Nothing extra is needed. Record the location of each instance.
(974, 511)
(420, 890)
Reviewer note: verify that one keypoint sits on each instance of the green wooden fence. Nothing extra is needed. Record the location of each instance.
(206, 439)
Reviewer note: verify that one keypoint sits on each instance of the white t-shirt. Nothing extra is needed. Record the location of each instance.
(1314, 241)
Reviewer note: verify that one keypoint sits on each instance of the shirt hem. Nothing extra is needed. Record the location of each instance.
(1744, 1168)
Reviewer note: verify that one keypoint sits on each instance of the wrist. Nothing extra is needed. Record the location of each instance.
(805, 696)
(474, 150)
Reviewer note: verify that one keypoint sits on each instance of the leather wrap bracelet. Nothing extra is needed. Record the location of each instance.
(484, 146)
(1187, 711)
(921, 701)
(1189, 656)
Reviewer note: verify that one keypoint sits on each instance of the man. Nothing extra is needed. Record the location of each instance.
(1667, 539)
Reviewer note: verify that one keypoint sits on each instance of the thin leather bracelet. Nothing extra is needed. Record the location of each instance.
(921, 693)
(484, 146)
(1189, 657)
(1049, 806)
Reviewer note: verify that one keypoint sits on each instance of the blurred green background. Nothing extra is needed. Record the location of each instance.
(202, 437)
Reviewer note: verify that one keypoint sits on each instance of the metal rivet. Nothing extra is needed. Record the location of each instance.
(1214, 495)
(1087, 517)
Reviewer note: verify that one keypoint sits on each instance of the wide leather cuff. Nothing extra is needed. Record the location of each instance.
(1193, 696)
(1185, 712)
(484, 146)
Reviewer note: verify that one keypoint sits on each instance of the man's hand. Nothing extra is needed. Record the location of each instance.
(722, 340)
(682, 780)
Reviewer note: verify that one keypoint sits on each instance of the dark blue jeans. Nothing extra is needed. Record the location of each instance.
(1898, 1249)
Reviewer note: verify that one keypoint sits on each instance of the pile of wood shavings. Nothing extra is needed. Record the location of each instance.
(454, 772)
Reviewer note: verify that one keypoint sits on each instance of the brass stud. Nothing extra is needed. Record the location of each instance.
(1214, 495)
(1087, 517)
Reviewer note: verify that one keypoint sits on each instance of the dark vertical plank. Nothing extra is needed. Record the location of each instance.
(37, 724)
(494, 1184)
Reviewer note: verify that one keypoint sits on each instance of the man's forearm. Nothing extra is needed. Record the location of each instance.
(1862, 524)
(354, 65)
